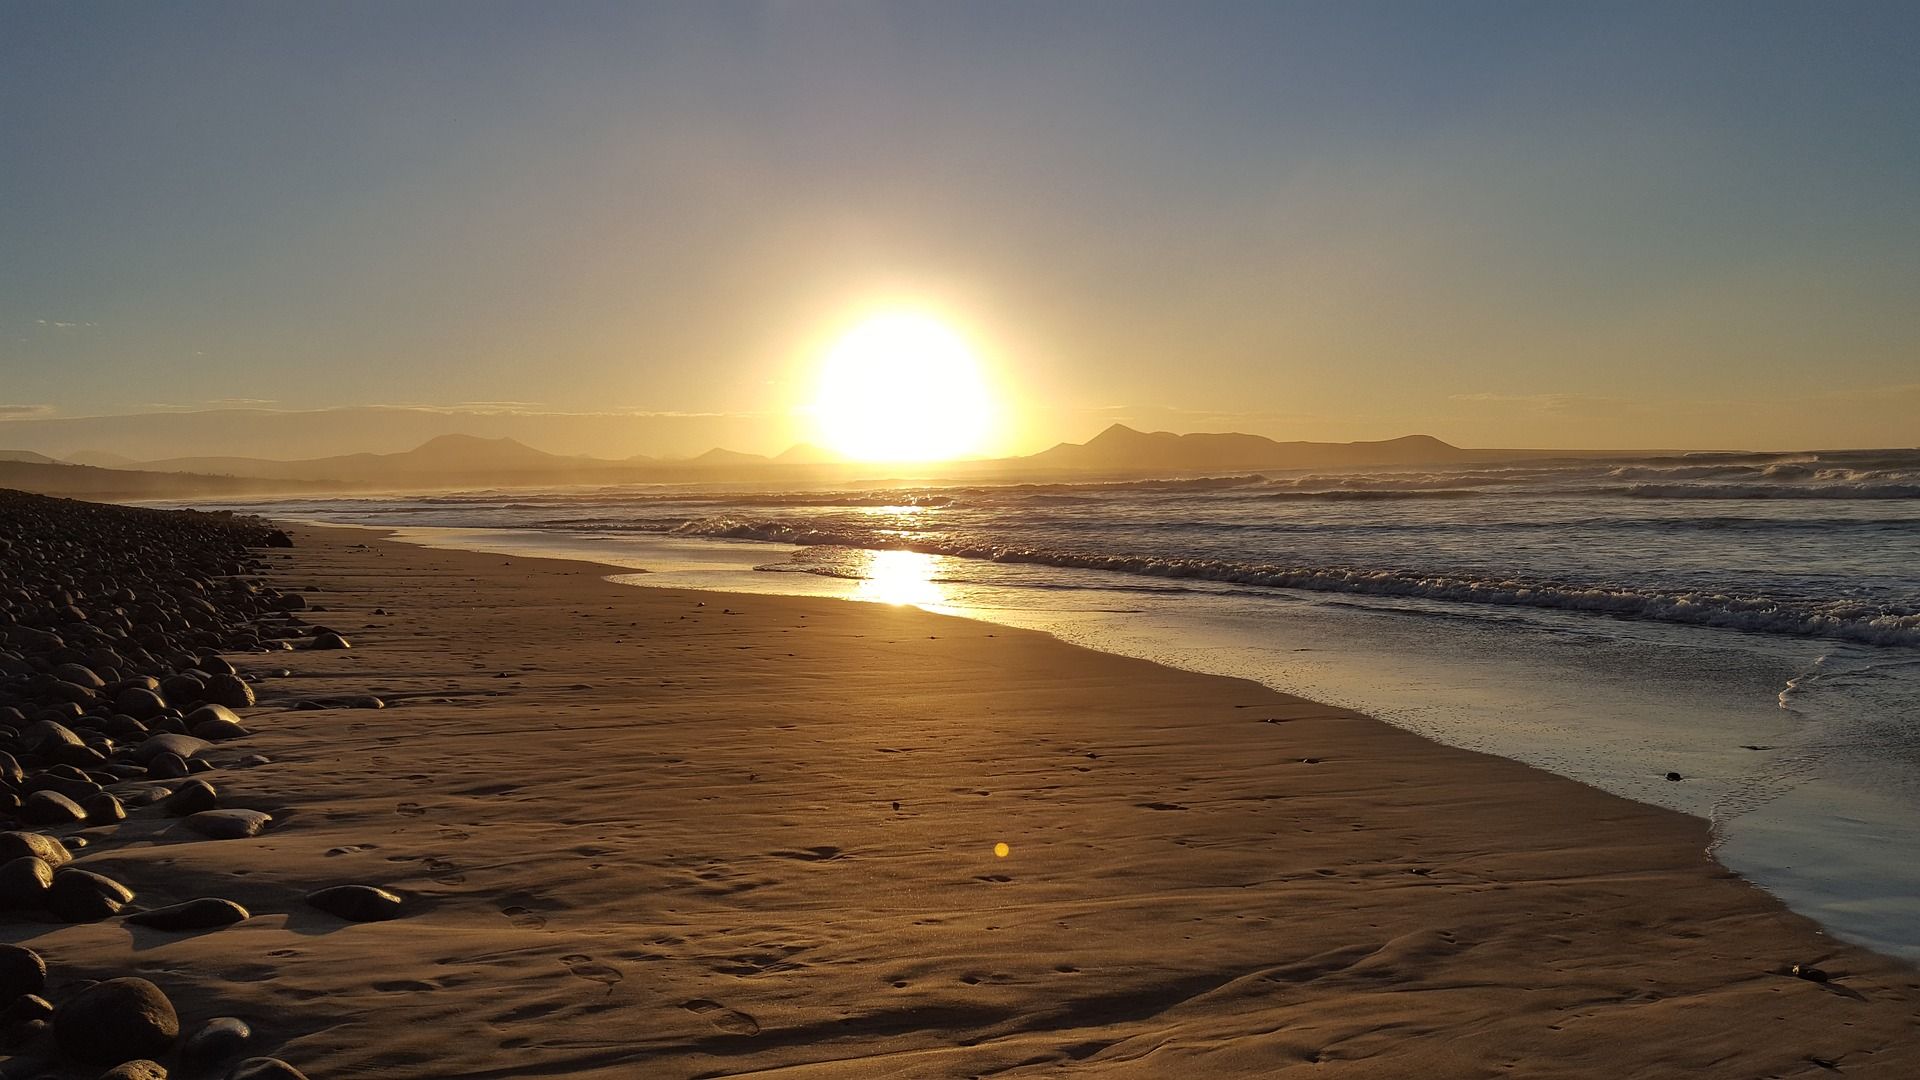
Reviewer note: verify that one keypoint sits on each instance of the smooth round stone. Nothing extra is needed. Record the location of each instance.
(230, 691)
(215, 723)
(265, 1068)
(116, 1020)
(83, 896)
(79, 675)
(22, 972)
(139, 703)
(51, 808)
(181, 746)
(45, 735)
(214, 664)
(167, 767)
(10, 768)
(15, 844)
(190, 798)
(25, 1009)
(145, 795)
(228, 824)
(103, 808)
(217, 1040)
(182, 687)
(357, 903)
(203, 914)
(140, 1069)
(331, 640)
(24, 882)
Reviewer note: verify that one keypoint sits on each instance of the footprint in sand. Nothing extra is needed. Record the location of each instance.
(410, 809)
(728, 1020)
(585, 967)
(454, 834)
(350, 849)
(524, 918)
(445, 872)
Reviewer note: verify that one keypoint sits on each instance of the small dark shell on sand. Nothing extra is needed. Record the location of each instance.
(357, 903)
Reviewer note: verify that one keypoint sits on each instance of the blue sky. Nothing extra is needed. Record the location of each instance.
(1506, 223)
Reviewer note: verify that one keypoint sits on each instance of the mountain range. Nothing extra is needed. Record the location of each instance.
(453, 461)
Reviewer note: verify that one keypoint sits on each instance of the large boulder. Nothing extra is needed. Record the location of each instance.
(116, 1020)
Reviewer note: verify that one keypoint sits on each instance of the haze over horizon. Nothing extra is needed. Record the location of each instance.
(1622, 226)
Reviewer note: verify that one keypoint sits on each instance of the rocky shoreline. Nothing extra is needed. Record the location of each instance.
(118, 709)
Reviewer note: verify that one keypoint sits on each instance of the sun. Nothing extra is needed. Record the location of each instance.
(902, 386)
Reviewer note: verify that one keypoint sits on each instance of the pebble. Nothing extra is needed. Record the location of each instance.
(203, 914)
(78, 895)
(22, 972)
(357, 903)
(116, 1020)
(330, 640)
(15, 844)
(265, 1068)
(140, 1069)
(217, 1040)
(51, 808)
(190, 798)
(228, 824)
(214, 723)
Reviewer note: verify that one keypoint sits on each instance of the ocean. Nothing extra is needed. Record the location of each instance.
(1749, 623)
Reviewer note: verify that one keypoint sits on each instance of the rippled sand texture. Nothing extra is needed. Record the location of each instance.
(668, 834)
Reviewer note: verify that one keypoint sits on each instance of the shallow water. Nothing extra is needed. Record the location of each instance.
(1611, 622)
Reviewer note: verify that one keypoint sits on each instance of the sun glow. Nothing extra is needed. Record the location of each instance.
(902, 387)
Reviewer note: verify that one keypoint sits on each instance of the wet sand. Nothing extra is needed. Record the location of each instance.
(645, 832)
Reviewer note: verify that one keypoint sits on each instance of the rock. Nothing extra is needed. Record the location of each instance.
(24, 882)
(357, 903)
(103, 808)
(167, 767)
(15, 844)
(51, 808)
(215, 723)
(230, 691)
(330, 640)
(10, 768)
(228, 824)
(265, 1068)
(21, 972)
(181, 746)
(139, 703)
(1808, 972)
(190, 798)
(116, 1020)
(78, 895)
(140, 1069)
(183, 688)
(279, 539)
(203, 914)
(25, 1009)
(45, 735)
(217, 1040)
(1675, 777)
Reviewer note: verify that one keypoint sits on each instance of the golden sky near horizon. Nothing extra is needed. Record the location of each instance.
(1616, 226)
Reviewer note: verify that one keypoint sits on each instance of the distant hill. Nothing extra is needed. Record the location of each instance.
(1122, 449)
(101, 459)
(87, 482)
(444, 460)
(29, 457)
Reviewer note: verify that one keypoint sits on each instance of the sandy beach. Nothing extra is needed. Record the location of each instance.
(643, 832)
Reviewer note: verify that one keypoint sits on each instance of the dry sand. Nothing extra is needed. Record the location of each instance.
(652, 833)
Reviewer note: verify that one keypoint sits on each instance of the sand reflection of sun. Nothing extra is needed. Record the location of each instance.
(900, 577)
